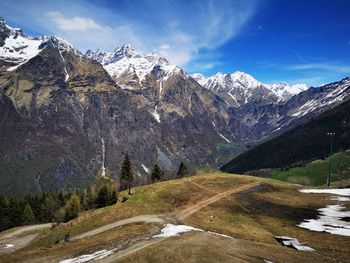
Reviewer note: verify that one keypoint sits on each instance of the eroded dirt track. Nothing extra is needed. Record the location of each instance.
(20, 237)
(184, 213)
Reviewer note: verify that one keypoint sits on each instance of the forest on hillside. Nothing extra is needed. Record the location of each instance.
(298, 146)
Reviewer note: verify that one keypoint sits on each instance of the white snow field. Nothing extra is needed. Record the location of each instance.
(331, 217)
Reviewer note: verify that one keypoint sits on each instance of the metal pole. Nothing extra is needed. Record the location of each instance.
(331, 134)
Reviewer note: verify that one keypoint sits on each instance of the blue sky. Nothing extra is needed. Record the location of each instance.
(273, 40)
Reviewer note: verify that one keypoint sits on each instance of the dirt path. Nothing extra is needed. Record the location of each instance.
(184, 213)
(130, 250)
(136, 219)
(202, 187)
(19, 237)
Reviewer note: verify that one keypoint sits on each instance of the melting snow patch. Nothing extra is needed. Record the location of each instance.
(9, 245)
(218, 234)
(89, 257)
(156, 115)
(330, 221)
(293, 242)
(339, 198)
(171, 230)
(344, 192)
(145, 168)
(222, 136)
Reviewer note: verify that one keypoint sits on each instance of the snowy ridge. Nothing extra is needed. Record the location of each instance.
(127, 60)
(18, 48)
(335, 93)
(243, 87)
(285, 91)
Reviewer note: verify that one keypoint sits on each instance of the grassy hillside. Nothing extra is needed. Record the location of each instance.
(298, 146)
(213, 201)
(316, 172)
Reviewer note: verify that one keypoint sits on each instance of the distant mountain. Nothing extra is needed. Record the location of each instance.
(265, 120)
(302, 144)
(240, 88)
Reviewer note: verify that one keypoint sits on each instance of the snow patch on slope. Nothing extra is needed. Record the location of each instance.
(144, 167)
(155, 114)
(171, 230)
(222, 136)
(330, 221)
(342, 192)
(90, 257)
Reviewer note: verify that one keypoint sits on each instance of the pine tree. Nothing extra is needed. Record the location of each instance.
(113, 197)
(182, 170)
(48, 208)
(156, 173)
(91, 197)
(72, 207)
(60, 198)
(103, 197)
(28, 215)
(126, 173)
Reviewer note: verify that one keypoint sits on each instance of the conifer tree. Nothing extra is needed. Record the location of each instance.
(28, 215)
(126, 173)
(72, 207)
(182, 170)
(103, 197)
(156, 173)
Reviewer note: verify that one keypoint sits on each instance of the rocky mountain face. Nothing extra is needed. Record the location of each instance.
(62, 114)
(66, 117)
(240, 88)
(273, 119)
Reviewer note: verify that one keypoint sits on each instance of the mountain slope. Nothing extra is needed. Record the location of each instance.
(63, 120)
(275, 119)
(303, 143)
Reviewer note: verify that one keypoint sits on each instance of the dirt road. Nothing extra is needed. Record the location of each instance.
(184, 213)
(18, 238)
(181, 214)
(136, 219)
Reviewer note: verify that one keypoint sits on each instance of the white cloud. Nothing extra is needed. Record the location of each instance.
(177, 30)
(69, 24)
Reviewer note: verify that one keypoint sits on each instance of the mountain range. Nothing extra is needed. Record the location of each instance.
(66, 116)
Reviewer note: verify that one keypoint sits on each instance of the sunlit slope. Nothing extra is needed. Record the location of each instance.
(248, 209)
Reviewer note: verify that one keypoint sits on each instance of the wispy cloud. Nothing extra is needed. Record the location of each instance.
(75, 23)
(178, 28)
(320, 66)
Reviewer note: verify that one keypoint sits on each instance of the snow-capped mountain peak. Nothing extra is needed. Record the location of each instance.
(127, 60)
(239, 88)
(17, 48)
(285, 91)
(245, 79)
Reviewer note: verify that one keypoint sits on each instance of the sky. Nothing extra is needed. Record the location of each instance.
(290, 41)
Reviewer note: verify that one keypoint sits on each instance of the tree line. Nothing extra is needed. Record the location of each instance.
(62, 207)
